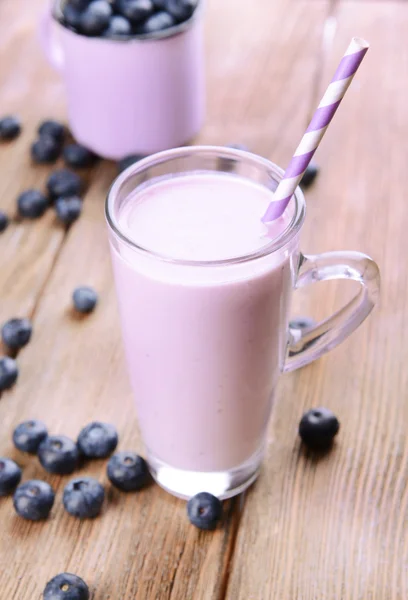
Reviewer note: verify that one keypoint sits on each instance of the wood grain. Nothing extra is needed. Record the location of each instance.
(337, 527)
(142, 546)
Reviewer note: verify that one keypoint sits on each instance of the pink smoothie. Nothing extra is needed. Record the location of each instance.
(204, 342)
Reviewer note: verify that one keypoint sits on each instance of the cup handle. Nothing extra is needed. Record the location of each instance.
(311, 343)
(51, 48)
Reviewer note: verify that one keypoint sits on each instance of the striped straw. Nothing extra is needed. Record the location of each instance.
(317, 128)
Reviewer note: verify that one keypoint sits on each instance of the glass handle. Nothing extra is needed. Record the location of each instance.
(309, 344)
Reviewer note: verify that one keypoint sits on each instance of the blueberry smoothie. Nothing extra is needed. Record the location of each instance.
(204, 328)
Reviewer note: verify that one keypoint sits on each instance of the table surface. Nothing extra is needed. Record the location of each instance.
(327, 529)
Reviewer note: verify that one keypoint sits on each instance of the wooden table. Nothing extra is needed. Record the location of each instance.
(334, 529)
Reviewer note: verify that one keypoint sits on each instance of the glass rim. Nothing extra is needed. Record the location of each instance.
(221, 152)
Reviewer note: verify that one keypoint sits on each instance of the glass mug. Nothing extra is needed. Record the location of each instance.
(206, 341)
(130, 96)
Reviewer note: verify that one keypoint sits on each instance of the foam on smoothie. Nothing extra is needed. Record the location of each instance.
(200, 216)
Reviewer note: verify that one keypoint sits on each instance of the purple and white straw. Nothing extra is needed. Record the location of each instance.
(317, 128)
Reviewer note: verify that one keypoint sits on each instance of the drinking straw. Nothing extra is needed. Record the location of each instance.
(317, 128)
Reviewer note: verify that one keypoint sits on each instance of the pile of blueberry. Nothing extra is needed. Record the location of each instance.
(83, 497)
(49, 146)
(16, 333)
(64, 187)
(120, 19)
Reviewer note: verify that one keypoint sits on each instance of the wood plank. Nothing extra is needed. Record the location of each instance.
(260, 63)
(337, 527)
(72, 372)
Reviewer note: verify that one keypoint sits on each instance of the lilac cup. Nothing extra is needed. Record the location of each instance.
(135, 96)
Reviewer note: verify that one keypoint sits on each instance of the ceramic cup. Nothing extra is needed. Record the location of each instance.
(131, 96)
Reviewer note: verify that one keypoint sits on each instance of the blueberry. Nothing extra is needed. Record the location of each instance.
(16, 333)
(318, 427)
(28, 435)
(135, 10)
(10, 476)
(79, 4)
(4, 221)
(310, 175)
(58, 454)
(128, 471)
(83, 497)
(124, 163)
(71, 16)
(10, 128)
(33, 500)
(302, 323)
(181, 10)
(159, 4)
(100, 7)
(93, 23)
(62, 183)
(8, 372)
(32, 204)
(68, 209)
(97, 440)
(45, 150)
(52, 129)
(118, 26)
(66, 586)
(157, 22)
(85, 299)
(204, 510)
(78, 156)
